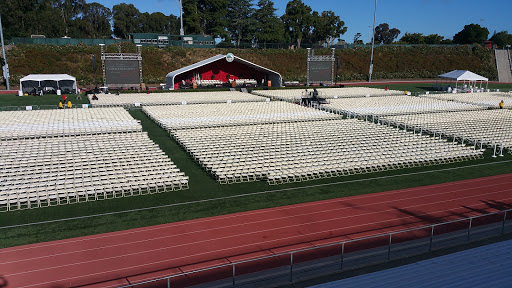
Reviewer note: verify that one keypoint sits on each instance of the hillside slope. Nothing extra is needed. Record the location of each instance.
(391, 62)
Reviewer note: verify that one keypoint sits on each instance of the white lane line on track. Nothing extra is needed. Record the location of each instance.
(247, 223)
(267, 220)
(256, 212)
(261, 242)
(158, 262)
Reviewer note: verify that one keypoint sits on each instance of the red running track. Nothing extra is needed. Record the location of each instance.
(113, 259)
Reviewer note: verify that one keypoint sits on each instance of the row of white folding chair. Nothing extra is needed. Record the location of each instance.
(309, 172)
(146, 171)
(45, 123)
(239, 153)
(261, 144)
(487, 99)
(11, 178)
(175, 98)
(349, 92)
(212, 115)
(351, 135)
(24, 134)
(104, 190)
(293, 156)
(80, 176)
(48, 196)
(55, 116)
(487, 126)
(394, 105)
(223, 149)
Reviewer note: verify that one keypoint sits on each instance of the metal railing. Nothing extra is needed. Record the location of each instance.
(342, 249)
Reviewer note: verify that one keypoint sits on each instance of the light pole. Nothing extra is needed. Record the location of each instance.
(373, 42)
(182, 32)
(5, 67)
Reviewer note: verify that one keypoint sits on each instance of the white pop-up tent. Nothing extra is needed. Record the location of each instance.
(63, 82)
(464, 76)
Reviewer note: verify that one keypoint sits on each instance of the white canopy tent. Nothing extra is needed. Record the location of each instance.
(63, 82)
(464, 75)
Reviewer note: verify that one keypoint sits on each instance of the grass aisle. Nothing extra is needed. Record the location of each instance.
(49, 100)
(203, 187)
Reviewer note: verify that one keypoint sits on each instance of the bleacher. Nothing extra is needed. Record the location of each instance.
(295, 95)
(173, 117)
(56, 157)
(177, 98)
(485, 266)
(301, 151)
(484, 127)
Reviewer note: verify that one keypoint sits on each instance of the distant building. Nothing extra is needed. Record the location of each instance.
(144, 39)
(162, 40)
(489, 44)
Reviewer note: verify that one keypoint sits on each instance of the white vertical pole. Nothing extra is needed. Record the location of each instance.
(182, 32)
(373, 42)
(291, 267)
(6, 68)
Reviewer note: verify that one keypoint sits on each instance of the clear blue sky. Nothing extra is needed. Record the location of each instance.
(443, 17)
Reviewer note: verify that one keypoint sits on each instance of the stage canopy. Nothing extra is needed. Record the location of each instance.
(221, 70)
(63, 82)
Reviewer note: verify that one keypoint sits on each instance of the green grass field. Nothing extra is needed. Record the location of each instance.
(48, 100)
(208, 198)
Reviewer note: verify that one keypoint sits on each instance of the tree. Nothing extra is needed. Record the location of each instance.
(156, 22)
(19, 17)
(472, 33)
(447, 41)
(269, 28)
(356, 38)
(241, 24)
(45, 20)
(413, 38)
(69, 11)
(385, 35)
(97, 17)
(297, 20)
(327, 27)
(433, 39)
(205, 17)
(126, 19)
(502, 38)
(191, 17)
(174, 25)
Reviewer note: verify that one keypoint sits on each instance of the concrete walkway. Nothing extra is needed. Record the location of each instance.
(503, 65)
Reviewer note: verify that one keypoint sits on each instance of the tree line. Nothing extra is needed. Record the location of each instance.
(79, 19)
(236, 22)
(472, 33)
(239, 21)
